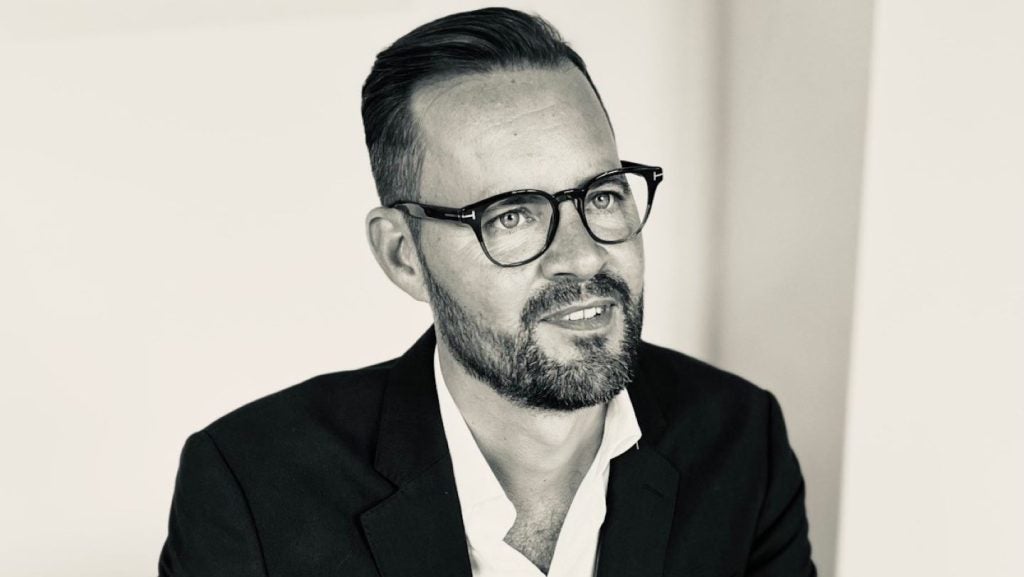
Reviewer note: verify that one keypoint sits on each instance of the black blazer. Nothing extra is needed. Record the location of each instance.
(348, 474)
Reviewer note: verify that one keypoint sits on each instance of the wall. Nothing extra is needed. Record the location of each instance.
(794, 92)
(183, 187)
(934, 460)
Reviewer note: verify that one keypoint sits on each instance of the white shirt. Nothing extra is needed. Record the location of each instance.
(488, 514)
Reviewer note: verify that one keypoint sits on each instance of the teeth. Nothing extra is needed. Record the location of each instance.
(582, 314)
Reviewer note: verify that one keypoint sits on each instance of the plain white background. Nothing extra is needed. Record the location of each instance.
(935, 422)
(182, 194)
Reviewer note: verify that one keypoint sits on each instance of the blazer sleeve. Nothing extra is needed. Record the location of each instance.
(211, 530)
(781, 547)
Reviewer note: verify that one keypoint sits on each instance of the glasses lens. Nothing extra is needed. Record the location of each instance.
(516, 228)
(616, 206)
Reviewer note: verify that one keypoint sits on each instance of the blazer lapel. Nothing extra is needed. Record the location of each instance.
(642, 487)
(641, 500)
(417, 530)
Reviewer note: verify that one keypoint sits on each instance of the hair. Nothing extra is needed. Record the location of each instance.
(472, 42)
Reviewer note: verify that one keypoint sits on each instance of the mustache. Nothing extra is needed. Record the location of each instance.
(568, 292)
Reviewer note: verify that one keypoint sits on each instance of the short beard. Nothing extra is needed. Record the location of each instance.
(514, 364)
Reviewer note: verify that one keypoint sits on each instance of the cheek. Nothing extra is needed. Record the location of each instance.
(499, 302)
(495, 299)
(629, 263)
(495, 294)
(451, 251)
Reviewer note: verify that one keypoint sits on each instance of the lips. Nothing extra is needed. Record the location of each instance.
(585, 316)
(587, 313)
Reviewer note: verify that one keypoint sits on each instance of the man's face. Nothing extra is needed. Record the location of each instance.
(544, 129)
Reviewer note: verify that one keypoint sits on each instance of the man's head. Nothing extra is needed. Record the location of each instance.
(471, 106)
(457, 45)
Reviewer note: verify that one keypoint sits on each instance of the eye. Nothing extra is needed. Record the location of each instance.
(603, 200)
(509, 219)
(514, 214)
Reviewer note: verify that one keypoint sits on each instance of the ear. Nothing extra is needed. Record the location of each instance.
(396, 253)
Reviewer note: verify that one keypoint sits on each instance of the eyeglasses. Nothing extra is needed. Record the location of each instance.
(516, 227)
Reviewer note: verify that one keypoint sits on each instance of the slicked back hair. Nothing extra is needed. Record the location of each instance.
(472, 42)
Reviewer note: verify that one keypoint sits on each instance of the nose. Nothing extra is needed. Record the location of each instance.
(573, 253)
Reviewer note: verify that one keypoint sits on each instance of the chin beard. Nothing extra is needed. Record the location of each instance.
(517, 368)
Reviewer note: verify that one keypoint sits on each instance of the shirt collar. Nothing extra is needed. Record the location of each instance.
(480, 493)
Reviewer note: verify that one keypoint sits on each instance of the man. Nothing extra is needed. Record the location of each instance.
(529, 431)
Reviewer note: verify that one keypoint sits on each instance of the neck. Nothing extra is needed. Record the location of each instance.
(525, 447)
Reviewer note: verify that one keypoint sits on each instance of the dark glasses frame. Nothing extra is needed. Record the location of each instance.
(468, 215)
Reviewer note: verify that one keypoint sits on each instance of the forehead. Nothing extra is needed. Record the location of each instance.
(486, 133)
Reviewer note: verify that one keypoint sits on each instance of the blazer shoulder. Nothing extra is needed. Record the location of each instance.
(676, 372)
(345, 403)
(729, 437)
(689, 389)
